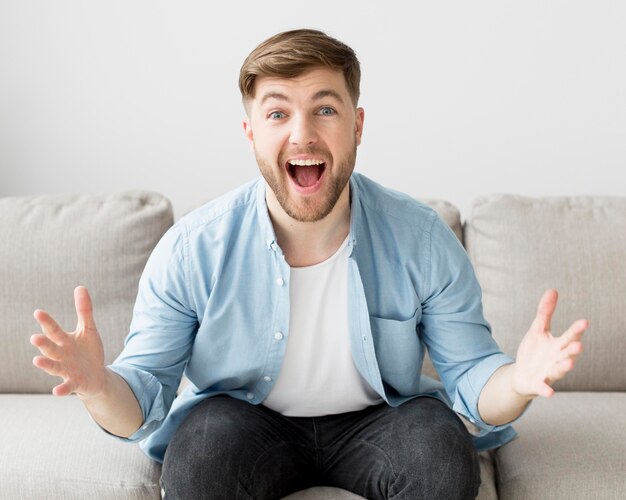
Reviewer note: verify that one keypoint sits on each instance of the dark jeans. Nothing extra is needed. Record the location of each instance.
(230, 449)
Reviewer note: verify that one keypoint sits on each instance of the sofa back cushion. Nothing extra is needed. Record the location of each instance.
(49, 245)
(521, 246)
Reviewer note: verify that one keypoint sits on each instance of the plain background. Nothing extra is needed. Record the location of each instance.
(461, 98)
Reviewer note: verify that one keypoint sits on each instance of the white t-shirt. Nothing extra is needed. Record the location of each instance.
(318, 376)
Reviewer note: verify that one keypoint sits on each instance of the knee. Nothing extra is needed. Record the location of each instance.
(191, 469)
(442, 462)
(449, 441)
(207, 435)
(202, 458)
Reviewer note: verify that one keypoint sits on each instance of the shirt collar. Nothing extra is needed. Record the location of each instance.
(355, 212)
(267, 233)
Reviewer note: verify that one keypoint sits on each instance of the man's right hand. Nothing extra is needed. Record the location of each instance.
(77, 357)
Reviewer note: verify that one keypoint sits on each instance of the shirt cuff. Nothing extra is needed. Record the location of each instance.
(468, 391)
(149, 394)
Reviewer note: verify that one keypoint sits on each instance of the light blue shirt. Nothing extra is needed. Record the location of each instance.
(213, 303)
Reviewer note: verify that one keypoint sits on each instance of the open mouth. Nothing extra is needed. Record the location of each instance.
(306, 173)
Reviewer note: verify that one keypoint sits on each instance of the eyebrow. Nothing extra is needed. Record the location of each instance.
(321, 94)
(327, 93)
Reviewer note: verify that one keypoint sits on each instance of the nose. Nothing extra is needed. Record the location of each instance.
(303, 131)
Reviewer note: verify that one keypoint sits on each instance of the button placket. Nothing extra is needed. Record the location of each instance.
(280, 270)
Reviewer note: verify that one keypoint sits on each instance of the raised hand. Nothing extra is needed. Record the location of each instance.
(542, 358)
(77, 357)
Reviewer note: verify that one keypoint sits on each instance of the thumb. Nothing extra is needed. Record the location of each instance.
(545, 390)
(84, 308)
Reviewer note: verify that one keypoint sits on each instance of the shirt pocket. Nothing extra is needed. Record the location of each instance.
(399, 352)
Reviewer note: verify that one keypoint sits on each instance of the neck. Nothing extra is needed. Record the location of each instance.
(309, 243)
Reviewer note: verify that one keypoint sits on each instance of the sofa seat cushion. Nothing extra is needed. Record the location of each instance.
(323, 493)
(51, 449)
(572, 445)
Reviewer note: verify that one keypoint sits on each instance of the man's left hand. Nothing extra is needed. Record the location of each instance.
(542, 358)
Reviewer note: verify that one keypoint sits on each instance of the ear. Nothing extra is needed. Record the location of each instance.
(247, 128)
(358, 124)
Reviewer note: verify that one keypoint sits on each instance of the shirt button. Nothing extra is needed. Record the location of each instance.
(280, 281)
(278, 336)
(250, 395)
(267, 378)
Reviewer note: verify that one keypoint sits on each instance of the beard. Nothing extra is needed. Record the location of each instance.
(315, 207)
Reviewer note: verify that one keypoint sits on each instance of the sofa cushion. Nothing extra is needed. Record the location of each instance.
(49, 245)
(572, 445)
(323, 493)
(521, 246)
(51, 449)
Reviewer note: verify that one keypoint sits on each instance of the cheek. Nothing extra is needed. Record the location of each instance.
(268, 149)
(268, 140)
(339, 143)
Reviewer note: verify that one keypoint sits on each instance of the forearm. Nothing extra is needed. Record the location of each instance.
(498, 403)
(116, 409)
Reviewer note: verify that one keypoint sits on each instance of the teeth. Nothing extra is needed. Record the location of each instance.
(305, 163)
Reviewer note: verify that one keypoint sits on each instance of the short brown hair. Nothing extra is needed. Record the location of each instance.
(291, 53)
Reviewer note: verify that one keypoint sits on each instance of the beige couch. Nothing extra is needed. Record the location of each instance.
(572, 446)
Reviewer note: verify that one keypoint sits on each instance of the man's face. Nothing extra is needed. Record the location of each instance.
(304, 132)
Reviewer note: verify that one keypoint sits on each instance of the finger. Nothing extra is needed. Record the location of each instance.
(47, 365)
(561, 368)
(546, 308)
(48, 348)
(545, 390)
(84, 307)
(573, 333)
(50, 328)
(64, 389)
(574, 349)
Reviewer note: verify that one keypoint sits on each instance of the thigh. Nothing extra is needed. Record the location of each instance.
(420, 449)
(230, 449)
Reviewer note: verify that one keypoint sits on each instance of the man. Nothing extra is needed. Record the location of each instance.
(299, 307)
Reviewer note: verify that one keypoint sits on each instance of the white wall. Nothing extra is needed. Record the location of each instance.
(461, 98)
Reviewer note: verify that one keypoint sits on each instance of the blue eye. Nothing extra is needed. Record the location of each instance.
(276, 115)
(327, 111)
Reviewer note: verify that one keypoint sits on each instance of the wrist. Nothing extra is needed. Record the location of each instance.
(102, 387)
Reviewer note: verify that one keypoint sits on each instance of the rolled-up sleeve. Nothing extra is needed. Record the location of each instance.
(149, 394)
(162, 331)
(453, 327)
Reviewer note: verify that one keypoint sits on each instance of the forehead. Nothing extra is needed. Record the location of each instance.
(305, 86)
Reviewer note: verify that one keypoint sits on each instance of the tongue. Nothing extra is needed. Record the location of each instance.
(308, 175)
